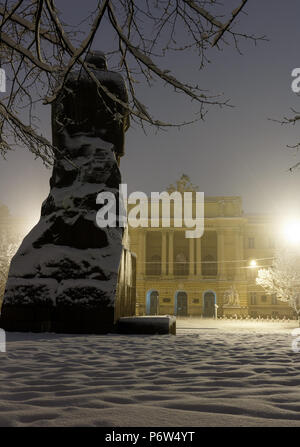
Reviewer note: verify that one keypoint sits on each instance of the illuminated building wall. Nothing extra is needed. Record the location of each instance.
(187, 277)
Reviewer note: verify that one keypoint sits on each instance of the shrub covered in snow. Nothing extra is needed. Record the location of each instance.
(283, 278)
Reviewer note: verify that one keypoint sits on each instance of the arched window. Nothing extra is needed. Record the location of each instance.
(181, 303)
(152, 302)
(209, 300)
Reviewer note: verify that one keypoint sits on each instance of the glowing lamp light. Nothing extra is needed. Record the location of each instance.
(253, 263)
(291, 231)
(29, 224)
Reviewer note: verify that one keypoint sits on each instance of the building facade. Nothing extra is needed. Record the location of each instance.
(212, 274)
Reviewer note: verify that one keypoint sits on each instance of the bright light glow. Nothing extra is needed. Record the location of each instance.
(291, 231)
(253, 263)
(29, 224)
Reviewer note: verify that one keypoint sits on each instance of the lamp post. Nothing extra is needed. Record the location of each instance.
(216, 311)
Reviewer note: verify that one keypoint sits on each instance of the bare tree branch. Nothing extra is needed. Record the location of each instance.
(25, 52)
(227, 25)
(39, 50)
(37, 28)
(78, 52)
(211, 19)
(15, 18)
(144, 59)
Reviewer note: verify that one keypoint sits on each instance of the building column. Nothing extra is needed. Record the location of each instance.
(242, 264)
(142, 252)
(191, 256)
(198, 258)
(221, 263)
(238, 255)
(171, 253)
(164, 253)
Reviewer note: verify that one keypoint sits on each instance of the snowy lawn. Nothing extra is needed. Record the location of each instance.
(212, 373)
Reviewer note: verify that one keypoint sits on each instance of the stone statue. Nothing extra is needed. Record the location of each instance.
(82, 109)
(231, 297)
(64, 276)
(182, 185)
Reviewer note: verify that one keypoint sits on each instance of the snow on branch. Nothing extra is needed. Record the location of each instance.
(283, 278)
(38, 49)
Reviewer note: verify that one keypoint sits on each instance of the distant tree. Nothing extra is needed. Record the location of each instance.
(4, 212)
(294, 116)
(38, 50)
(283, 278)
(291, 120)
(8, 246)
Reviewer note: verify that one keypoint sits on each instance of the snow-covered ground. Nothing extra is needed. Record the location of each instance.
(212, 373)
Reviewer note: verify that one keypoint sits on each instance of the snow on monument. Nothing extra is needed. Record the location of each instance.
(64, 276)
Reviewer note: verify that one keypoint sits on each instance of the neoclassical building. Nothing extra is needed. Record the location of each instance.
(214, 273)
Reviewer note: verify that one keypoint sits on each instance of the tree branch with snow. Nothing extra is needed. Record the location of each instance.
(38, 49)
(283, 278)
(8, 247)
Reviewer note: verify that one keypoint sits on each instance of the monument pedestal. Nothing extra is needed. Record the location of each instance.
(161, 324)
(232, 311)
(64, 276)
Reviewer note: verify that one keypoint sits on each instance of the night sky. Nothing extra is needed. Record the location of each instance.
(235, 151)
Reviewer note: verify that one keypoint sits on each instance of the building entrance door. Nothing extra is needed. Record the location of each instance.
(154, 303)
(181, 308)
(209, 305)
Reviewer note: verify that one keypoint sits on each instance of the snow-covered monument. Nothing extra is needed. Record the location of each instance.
(64, 277)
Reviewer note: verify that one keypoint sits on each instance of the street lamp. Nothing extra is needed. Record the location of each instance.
(291, 231)
(216, 311)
